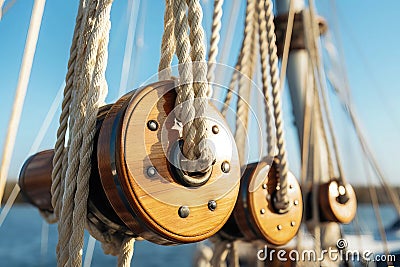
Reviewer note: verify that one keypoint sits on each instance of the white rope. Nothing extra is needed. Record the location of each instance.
(200, 85)
(1, 8)
(5, 9)
(214, 41)
(89, 252)
(227, 39)
(281, 196)
(168, 43)
(10, 201)
(246, 68)
(34, 148)
(44, 240)
(23, 80)
(265, 75)
(288, 40)
(85, 90)
(191, 98)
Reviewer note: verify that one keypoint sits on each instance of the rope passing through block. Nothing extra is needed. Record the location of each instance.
(134, 190)
(192, 93)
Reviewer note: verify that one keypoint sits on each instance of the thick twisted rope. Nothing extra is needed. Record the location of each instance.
(185, 110)
(281, 196)
(246, 69)
(85, 90)
(214, 41)
(167, 44)
(191, 100)
(200, 85)
(265, 75)
(58, 160)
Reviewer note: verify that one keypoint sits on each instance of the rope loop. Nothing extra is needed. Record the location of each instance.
(184, 35)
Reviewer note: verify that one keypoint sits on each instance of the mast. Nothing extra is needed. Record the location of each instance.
(298, 76)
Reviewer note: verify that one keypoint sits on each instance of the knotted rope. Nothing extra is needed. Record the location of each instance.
(191, 100)
(85, 91)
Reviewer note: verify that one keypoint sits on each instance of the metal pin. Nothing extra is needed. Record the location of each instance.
(279, 227)
(183, 211)
(292, 223)
(212, 205)
(225, 167)
(215, 129)
(262, 211)
(152, 125)
(296, 202)
(151, 171)
(264, 186)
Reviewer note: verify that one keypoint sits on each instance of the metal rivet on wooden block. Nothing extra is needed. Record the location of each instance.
(132, 143)
(156, 201)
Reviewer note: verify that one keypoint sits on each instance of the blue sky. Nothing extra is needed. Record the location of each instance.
(368, 35)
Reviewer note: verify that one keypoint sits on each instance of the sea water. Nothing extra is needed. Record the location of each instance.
(22, 242)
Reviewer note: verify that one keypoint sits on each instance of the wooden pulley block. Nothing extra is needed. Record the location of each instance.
(255, 216)
(338, 202)
(134, 187)
(35, 184)
(138, 142)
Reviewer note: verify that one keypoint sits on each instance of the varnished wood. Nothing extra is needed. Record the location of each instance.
(154, 201)
(122, 196)
(35, 183)
(35, 179)
(254, 215)
(330, 207)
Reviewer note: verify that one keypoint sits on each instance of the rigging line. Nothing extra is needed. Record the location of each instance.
(47, 121)
(372, 160)
(369, 73)
(339, 44)
(34, 148)
(139, 41)
(227, 39)
(1, 8)
(323, 95)
(89, 251)
(126, 64)
(4, 9)
(23, 80)
(375, 205)
(44, 240)
(368, 152)
(288, 40)
(9, 203)
(246, 66)
(214, 41)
